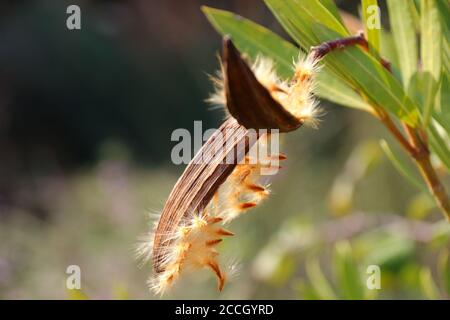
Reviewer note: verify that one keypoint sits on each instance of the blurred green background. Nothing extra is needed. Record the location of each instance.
(85, 124)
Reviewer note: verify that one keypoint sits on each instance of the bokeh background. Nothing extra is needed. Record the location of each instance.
(85, 124)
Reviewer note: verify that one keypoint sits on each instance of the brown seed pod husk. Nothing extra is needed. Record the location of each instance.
(199, 182)
(248, 101)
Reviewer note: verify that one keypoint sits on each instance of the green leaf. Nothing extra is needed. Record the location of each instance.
(444, 96)
(388, 50)
(334, 89)
(423, 88)
(372, 32)
(295, 17)
(438, 145)
(444, 11)
(401, 166)
(254, 39)
(347, 273)
(427, 284)
(443, 120)
(431, 38)
(318, 280)
(446, 53)
(444, 270)
(414, 9)
(431, 54)
(365, 72)
(403, 30)
(315, 9)
(430, 88)
(333, 9)
(294, 21)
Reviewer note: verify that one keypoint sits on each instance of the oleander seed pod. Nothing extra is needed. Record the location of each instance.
(211, 191)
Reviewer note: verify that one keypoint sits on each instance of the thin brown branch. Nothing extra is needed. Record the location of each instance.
(337, 44)
(422, 158)
(342, 43)
(384, 117)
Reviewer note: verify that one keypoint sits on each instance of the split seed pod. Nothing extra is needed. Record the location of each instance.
(211, 191)
(248, 101)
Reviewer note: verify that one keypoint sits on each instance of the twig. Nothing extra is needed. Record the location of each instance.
(332, 45)
(328, 46)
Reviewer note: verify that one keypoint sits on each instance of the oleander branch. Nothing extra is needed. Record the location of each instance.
(415, 142)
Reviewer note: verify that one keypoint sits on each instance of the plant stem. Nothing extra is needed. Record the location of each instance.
(328, 46)
(417, 146)
(384, 117)
(422, 158)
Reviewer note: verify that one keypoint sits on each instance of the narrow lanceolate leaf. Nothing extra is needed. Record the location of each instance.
(444, 11)
(333, 9)
(430, 88)
(365, 72)
(317, 10)
(443, 120)
(431, 54)
(423, 88)
(332, 88)
(431, 37)
(253, 40)
(446, 52)
(439, 145)
(389, 52)
(295, 15)
(371, 18)
(445, 95)
(401, 167)
(402, 26)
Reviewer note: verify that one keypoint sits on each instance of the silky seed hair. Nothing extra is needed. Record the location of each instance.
(192, 243)
(295, 95)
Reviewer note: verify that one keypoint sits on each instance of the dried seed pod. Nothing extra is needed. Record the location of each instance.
(197, 185)
(212, 190)
(247, 100)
